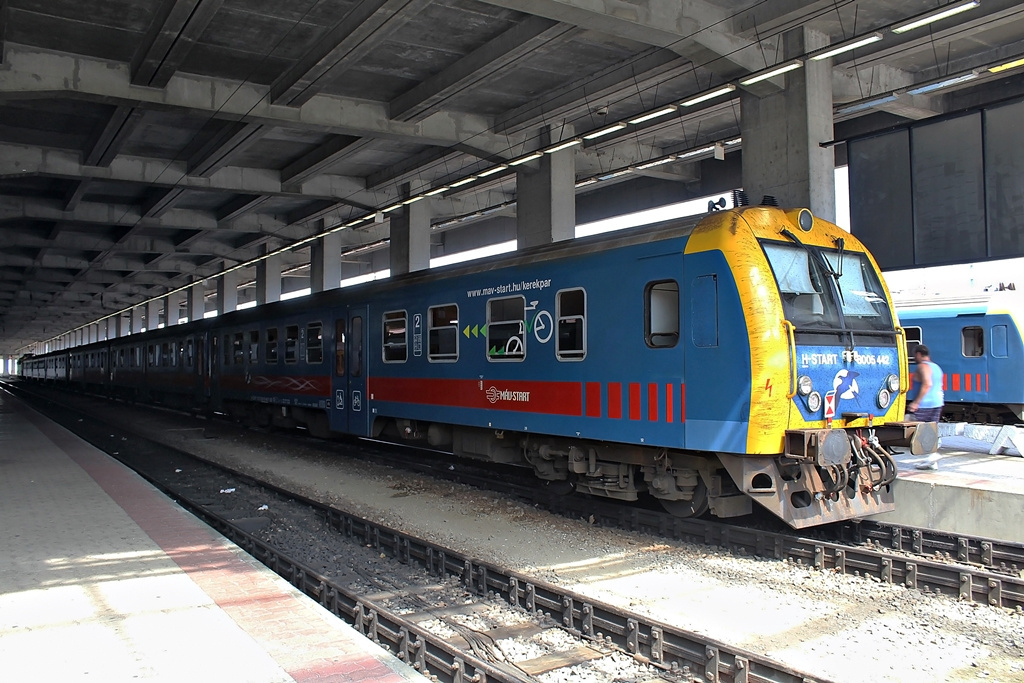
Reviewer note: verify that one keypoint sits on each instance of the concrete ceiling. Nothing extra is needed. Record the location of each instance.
(145, 144)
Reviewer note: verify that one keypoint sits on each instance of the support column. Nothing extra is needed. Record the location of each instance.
(153, 313)
(410, 233)
(136, 320)
(227, 291)
(172, 308)
(196, 304)
(325, 263)
(783, 132)
(546, 193)
(268, 278)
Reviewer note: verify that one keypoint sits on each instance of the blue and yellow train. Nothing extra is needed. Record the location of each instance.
(977, 341)
(750, 356)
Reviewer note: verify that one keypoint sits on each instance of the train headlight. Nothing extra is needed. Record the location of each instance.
(884, 398)
(814, 402)
(804, 385)
(892, 383)
(806, 220)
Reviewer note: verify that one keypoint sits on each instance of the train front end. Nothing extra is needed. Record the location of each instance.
(828, 371)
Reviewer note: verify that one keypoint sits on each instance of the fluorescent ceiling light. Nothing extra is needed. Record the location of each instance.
(932, 87)
(588, 181)
(696, 152)
(1006, 67)
(605, 131)
(711, 94)
(563, 145)
(523, 160)
(492, 171)
(437, 190)
(410, 200)
(654, 114)
(464, 181)
(777, 71)
(845, 47)
(870, 104)
(925, 19)
(352, 224)
(657, 162)
(614, 174)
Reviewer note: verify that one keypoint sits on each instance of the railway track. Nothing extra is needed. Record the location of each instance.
(968, 568)
(449, 635)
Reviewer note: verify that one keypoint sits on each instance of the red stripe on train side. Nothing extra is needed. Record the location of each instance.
(652, 402)
(956, 381)
(634, 400)
(986, 382)
(551, 398)
(593, 399)
(669, 416)
(967, 382)
(682, 403)
(615, 400)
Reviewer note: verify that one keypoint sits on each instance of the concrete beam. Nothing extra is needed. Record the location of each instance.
(109, 140)
(231, 140)
(322, 158)
(175, 28)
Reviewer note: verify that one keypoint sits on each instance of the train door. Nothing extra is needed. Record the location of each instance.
(348, 376)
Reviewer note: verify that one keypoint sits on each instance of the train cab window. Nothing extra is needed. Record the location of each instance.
(443, 333)
(315, 343)
(271, 353)
(396, 346)
(506, 328)
(972, 342)
(661, 313)
(571, 311)
(238, 348)
(291, 344)
(254, 347)
(355, 362)
(913, 339)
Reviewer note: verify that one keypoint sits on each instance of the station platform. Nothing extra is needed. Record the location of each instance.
(103, 578)
(976, 490)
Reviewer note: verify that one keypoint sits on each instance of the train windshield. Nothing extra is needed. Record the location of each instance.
(828, 289)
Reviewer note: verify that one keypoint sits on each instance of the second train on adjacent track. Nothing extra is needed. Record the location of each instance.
(751, 356)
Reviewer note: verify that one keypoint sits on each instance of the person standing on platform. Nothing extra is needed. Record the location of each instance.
(927, 405)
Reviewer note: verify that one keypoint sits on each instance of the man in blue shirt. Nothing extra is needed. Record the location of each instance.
(927, 405)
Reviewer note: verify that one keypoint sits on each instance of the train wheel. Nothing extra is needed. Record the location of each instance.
(695, 507)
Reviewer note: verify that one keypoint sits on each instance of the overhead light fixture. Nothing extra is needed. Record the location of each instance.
(410, 200)
(588, 181)
(528, 157)
(1006, 67)
(352, 224)
(563, 145)
(492, 171)
(772, 73)
(460, 183)
(615, 174)
(654, 114)
(392, 207)
(942, 13)
(932, 87)
(605, 131)
(657, 162)
(833, 50)
(696, 152)
(869, 104)
(437, 190)
(709, 95)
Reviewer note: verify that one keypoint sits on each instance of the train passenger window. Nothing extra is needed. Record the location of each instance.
(190, 350)
(238, 348)
(443, 333)
(271, 355)
(254, 347)
(395, 337)
(972, 342)
(661, 314)
(315, 343)
(291, 343)
(152, 355)
(913, 339)
(339, 348)
(506, 328)
(999, 341)
(165, 354)
(356, 357)
(571, 311)
(227, 350)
